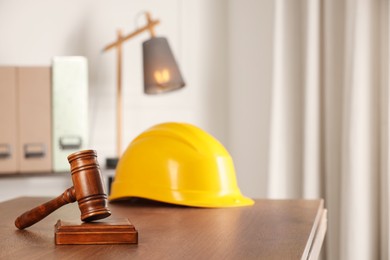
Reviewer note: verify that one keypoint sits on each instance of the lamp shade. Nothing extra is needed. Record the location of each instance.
(161, 73)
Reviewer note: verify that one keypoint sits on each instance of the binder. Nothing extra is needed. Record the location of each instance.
(70, 108)
(34, 119)
(8, 120)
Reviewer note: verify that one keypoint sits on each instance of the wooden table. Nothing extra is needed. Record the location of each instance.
(271, 229)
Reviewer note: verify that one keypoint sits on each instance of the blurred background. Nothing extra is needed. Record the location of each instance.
(221, 97)
(297, 91)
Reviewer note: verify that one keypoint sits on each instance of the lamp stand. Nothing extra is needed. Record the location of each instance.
(111, 163)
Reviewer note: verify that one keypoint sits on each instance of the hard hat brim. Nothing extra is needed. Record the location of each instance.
(187, 198)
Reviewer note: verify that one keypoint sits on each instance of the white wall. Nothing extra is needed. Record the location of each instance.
(44, 185)
(32, 32)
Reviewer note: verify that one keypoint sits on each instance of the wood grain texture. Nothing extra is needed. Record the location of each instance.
(102, 232)
(271, 229)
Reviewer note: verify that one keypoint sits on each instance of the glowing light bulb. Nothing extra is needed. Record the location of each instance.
(162, 76)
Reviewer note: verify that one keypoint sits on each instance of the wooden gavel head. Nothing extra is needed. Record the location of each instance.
(88, 185)
(87, 189)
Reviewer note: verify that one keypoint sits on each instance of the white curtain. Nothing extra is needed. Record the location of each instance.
(329, 118)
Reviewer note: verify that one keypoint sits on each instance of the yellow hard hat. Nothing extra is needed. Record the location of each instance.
(181, 164)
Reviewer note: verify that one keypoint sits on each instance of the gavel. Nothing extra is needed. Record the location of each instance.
(87, 189)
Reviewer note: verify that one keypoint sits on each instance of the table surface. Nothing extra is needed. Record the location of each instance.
(270, 229)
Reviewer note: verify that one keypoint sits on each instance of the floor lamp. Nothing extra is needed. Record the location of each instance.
(161, 72)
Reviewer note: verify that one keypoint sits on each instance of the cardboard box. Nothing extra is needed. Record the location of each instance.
(34, 127)
(8, 120)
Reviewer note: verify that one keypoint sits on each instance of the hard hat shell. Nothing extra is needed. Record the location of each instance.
(178, 163)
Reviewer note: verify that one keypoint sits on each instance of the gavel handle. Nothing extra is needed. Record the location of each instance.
(36, 214)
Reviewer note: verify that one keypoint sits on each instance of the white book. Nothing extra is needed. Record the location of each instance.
(70, 108)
